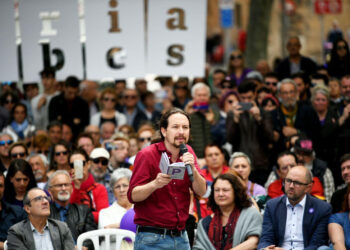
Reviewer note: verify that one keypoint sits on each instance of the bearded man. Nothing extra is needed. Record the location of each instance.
(293, 117)
(79, 218)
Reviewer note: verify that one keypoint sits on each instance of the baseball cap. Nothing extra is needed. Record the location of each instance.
(304, 145)
(99, 153)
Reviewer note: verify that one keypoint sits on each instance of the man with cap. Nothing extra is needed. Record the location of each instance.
(99, 169)
(303, 149)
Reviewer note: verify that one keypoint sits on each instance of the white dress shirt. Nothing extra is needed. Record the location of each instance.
(42, 240)
(293, 236)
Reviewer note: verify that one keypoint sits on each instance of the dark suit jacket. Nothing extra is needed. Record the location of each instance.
(20, 236)
(306, 65)
(315, 221)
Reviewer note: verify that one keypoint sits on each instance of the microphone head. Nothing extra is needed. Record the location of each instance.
(183, 148)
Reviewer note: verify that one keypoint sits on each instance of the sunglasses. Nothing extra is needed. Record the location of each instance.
(3, 142)
(103, 161)
(142, 139)
(15, 155)
(61, 153)
(271, 83)
(106, 99)
(341, 47)
(236, 57)
(71, 164)
(130, 97)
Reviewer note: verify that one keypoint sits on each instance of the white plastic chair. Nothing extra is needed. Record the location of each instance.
(5, 245)
(94, 235)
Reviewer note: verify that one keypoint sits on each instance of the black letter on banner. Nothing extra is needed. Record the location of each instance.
(175, 52)
(115, 57)
(47, 59)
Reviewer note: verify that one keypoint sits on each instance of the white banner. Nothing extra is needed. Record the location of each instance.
(115, 38)
(8, 55)
(55, 23)
(176, 37)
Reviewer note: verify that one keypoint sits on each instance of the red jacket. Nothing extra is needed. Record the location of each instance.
(92, 194)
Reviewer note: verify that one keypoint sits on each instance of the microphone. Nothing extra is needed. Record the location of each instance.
(183, 150)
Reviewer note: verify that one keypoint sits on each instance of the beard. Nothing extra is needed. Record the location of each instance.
(289, 105)
(38, 175)
(98, 175)
(63, 196)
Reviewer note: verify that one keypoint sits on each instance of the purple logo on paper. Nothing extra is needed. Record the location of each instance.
(311, 210)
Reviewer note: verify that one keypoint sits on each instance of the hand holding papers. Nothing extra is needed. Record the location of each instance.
(175, 170)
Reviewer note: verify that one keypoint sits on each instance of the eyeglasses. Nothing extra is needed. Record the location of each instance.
(295, 183)
(40, 198)
(15, 155)
(130, 97)
(61, 153)
(271, 83)
(66, 185)
(341, 47)
(106, 99)
(142, 139)
(71, 164)
(103, 161)
(236, 57)
(3, 142)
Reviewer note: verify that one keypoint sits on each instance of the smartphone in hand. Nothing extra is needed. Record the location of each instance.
(78, 169)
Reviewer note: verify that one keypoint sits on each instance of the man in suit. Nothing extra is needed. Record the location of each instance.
(296, 220)
(38, 232)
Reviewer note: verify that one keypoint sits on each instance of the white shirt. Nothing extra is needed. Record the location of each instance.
(111, 215)
(41, 116)
(293, 236)
(43, 240)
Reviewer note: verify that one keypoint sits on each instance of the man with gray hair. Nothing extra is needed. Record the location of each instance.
(39, 232)
(39, 164)
(203, 115)
(293, 117)
(79, 218)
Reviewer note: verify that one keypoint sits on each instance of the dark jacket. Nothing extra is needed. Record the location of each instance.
(79, 219)
(315, 221)
(251, 137)
(20, 236)
(9, 216)
(306, 65)
(306, 120)
(76, 113)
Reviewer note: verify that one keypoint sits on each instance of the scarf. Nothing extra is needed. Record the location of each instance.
(19, 128)
(290, 115)
(215, 229)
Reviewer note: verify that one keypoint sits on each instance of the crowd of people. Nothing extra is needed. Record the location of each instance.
(269, 151)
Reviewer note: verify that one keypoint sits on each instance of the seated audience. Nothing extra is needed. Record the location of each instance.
(18, 181)
(86, 191)
(240, 162)
(19, 127)
(339, 226)
(5, 142)
(54, 131)
(86, 142)
(39, 231)
(78, 218)
(99, 170)
(108, 101)
(110, 217)
(18, 150)
(235, 222)
(9, 214)
(41, 144)
(40, 167)
(67, 133)
(95, 133)
(338, 196)
(295, 220)
(60, 157)
(119, 153)
(285, 161)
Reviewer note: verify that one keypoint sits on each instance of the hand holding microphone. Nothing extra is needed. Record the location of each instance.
(183, 150)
